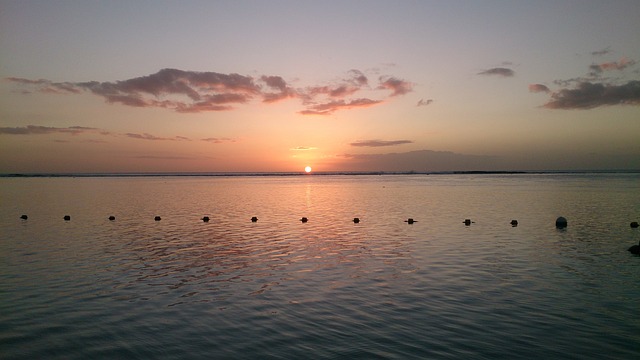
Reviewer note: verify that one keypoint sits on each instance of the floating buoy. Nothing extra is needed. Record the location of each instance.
(514, 223)
(157, 218)
(410, 221)
(468, 222)
(561, 222)
(304, 219)
(356, 220)
(67, 217)
(24, 217)
(254, 219)
(633, 224)
(635, 249)
(205, 219)
(112, 217)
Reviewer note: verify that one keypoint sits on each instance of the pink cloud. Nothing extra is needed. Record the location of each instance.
(537, 88)
(330, 107)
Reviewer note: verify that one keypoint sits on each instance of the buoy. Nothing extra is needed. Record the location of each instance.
(633, 224)
(304, 219)
(205, 219)
(561, 222)
(410, 221)
(24, 217)
(468, 222)
(67, 217)
(112, 217)
(514, 223)
(254, 219)
(356, 220)
(157, 218)
(635, 249)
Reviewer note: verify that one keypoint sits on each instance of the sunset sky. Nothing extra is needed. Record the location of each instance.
(259, 86)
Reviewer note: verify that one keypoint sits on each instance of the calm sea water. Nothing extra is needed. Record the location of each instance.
(278, 288)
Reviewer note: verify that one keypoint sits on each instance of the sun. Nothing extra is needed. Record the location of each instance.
(307, 169)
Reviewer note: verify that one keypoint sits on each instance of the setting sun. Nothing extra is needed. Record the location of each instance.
(307, 169)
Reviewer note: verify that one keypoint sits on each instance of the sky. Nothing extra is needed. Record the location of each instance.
(274, 86)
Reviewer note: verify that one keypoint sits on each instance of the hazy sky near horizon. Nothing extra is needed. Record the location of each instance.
(150, 86)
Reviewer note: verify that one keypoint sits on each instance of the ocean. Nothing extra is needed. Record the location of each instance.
(328, 288)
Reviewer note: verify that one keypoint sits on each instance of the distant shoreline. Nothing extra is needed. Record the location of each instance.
(319, 173)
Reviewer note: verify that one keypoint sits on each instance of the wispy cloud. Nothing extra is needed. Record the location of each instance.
(537, 88)
(218, 140)
(379, 143)
(146, 136)
(621, 64)
(41, 130)
(601, 52)
(498, 71)
(423, 102)
(194, 92)
(330, 107)
(590, 95)
(303, 148)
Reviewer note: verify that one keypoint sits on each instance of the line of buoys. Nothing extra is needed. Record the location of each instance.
(561, 222)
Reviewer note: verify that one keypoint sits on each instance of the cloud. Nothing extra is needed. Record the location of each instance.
(378, 143)
(218, 140)
(622, 64)
(590, 95)
(601, 52)
(303, 148)
(423, 102)
(40, 130)
(397, 86)
(420, 160)
(499, 71)
(146, 136)
(330, 107)
(537, 88)
(194, 92)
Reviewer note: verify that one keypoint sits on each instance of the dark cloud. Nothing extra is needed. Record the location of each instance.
(537, 88)
(397, 86)
(499, 71)
(39, 130)
(590, 95)
(378, 143)
(194, 92)
(423, 102)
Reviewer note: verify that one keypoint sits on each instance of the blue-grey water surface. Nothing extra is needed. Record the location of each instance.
(278, 288)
